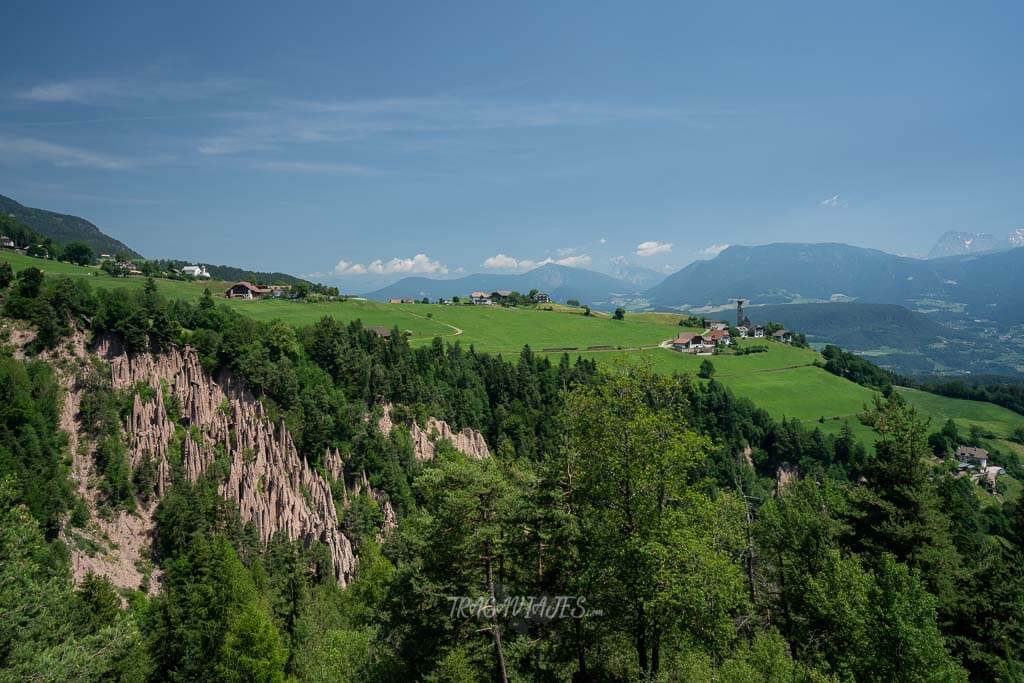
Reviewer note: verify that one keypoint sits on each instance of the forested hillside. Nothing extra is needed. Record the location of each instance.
(63, 228)
(622, 525)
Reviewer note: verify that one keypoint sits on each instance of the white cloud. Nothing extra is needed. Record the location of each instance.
(573, 261)
(313, 167)
(501, 262)
(90, 90)
(505, 262)
(712, 251)
(420, 264)
(834, 202)
(602, 241)
(30, 149)
(651, 248)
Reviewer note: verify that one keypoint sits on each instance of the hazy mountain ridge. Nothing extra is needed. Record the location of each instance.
(982, 286)
(64, 228)
(559, 282)
(956, 243)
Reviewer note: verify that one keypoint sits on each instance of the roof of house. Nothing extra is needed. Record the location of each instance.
(686, 338)
(715, 335)
(380, 331)
(479, 295)
(971, 452)
(780, 333)
(251, 287)
(504, 292)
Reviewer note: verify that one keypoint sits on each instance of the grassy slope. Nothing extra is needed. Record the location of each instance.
(783, 380)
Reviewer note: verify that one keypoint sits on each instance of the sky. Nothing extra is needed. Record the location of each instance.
(357, 143)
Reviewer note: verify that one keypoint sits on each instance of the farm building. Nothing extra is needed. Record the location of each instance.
(716, 337)
(541, 298)
(247, 290)
(480, 298)
(688, 342)
(195, 271)
(784, 336)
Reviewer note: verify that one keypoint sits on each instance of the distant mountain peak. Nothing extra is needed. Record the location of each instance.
(959, 243)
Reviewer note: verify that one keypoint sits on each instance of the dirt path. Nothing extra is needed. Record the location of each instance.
(456, 333)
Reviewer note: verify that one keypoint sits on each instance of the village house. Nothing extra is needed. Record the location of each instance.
(6, 242)
(195, 271)
(541, 298)
(784, 336)
(743, 331)
(717, 325)
(688, 342)
(974, 462)
(247, 290)
(480, 298)
(717, 337)
(280, 291)
(757, 332)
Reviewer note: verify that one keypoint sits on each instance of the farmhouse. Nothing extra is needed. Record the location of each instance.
(974, 462)
(976, 456)
(688, 342)
(541, 298)
(480, 298)
(743, 331)
(784, 336)
(757, 332)
(246, 290)
(716, 337)
(380, 331)
(195, 271)
(280, 291)
(717, 325)
(6, 242)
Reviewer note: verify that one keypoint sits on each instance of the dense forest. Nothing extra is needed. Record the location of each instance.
(629, 526)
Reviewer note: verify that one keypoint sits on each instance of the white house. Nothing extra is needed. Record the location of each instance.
(688, 342)
(195, 271)
(480, 297)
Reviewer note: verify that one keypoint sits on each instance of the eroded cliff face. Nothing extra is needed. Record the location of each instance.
(424, 440)
(274, 487)
(221, 425)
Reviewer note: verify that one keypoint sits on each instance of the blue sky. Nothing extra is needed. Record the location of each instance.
(359, 142)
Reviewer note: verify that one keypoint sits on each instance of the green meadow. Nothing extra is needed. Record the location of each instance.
(784, 380)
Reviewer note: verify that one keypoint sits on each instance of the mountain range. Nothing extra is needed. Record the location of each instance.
(63, 228)
(955, 243)
(983, 286)
(560, 282)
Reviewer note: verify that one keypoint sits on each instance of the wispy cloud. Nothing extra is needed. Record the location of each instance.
(31, 149)
(650, 248)
(104, 90)
(314, 167)
(712, 251)
(834, 202)
(505, 262)
(297, 122)
(419, 264)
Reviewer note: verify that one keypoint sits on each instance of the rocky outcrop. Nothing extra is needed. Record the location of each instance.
(424, 440)
(274, 487)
